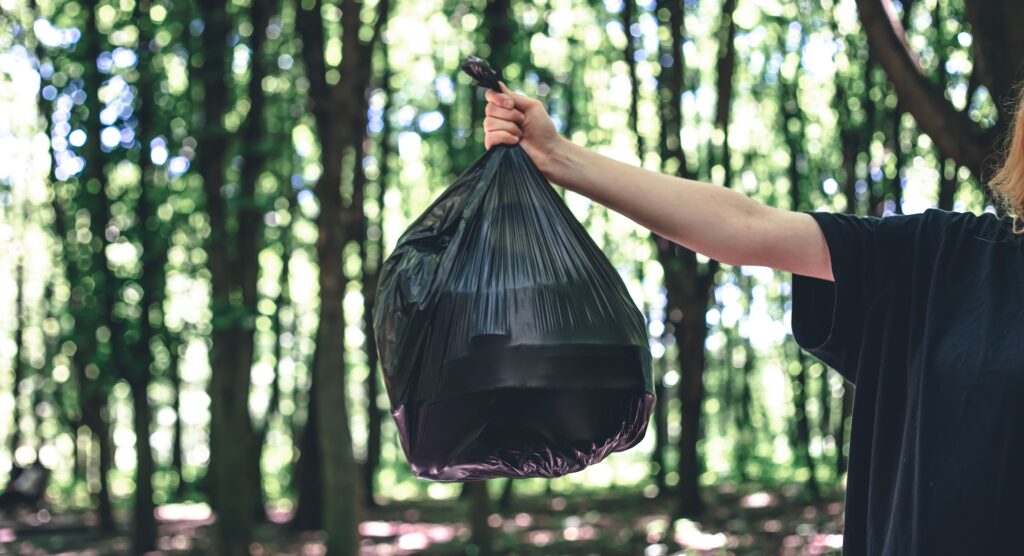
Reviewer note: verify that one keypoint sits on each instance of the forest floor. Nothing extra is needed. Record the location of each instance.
(778, 521)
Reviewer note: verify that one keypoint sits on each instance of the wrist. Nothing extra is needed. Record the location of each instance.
(559, 162)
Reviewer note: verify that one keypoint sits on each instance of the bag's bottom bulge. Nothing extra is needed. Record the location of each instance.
(521, 432)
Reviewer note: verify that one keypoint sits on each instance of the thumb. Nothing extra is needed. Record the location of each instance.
(522, 102)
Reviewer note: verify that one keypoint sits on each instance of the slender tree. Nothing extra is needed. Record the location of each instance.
(688, 284)
(93, 310)
(372, 243)
(339, 106)
(152, 280)
(233, 247)
(18, 357)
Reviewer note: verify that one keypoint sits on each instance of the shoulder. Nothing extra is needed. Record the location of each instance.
(956, 227)
(935, 225)
(894, 229)
(896, 243)
(931, 226)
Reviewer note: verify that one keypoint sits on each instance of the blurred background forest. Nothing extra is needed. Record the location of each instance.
(196, 196)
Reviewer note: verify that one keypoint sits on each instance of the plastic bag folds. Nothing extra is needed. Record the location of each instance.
(509, 344)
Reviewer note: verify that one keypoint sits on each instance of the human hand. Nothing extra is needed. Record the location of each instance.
(512, 119)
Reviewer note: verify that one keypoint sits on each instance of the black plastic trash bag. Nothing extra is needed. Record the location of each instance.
(509, 344)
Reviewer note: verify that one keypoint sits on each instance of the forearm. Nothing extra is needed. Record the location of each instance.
(715, 221)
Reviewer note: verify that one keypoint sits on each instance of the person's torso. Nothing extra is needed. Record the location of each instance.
(938, 431)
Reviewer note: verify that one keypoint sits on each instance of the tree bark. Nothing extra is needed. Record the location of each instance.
(154, 257)
(726, 71)
(373, 259)
(309, 510)
(689, 285)
(97, 365)
(177, 448)
(232, 275)
(628, 16)
(18, 357)
(340, 114)
(803, 427)
(796, 171)
(842, 457)
(479, 511)
(948, 181)
(744, 424)
(660, 411)
(144, 521)
(661, 440)
(507, 495)
(255, 143)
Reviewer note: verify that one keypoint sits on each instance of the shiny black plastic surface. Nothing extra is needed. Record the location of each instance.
(509, 344)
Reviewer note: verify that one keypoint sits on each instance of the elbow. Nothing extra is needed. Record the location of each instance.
(749, 238)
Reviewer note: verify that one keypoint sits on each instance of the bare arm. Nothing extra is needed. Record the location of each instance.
(715, 221)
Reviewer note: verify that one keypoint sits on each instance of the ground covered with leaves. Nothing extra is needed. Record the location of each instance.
(738, 521)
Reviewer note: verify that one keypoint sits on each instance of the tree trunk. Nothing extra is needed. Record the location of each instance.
(309, 509)
(825, 399)
(276, 331)
(144, 520)
(661, 439)
(726, 71)
(338, 224)
(154, 257)
(871, 124)
(842, 458)
(948, 180)
(254, 151)
(341, 516)
(660, 408)
(948, 183)
(231, 270)
(507, 495)
(691, 391)
(953, 132)
(803, 427)
(373, 259)
(479, 512)
(628, 16)
(797, 173)
(18, 357)
(688, 287)
(177, 449)
(97, 365)
(744, 424)
(99, 433)
(278, 327)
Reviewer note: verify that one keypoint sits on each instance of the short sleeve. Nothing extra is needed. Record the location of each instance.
(868, 256)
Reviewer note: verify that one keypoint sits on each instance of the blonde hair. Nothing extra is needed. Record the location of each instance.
(1008, 183)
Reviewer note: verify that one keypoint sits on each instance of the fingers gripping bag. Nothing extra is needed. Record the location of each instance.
(509, 344)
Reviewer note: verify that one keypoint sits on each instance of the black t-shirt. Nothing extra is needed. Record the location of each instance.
(926, 317)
